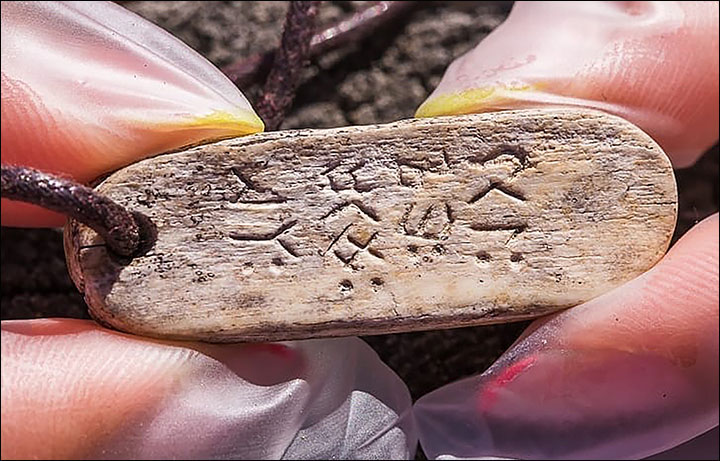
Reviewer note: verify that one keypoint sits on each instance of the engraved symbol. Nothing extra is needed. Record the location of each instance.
(364, 245)
(364, 209)
(289, 247)
(505, 150)
(255, 192)
(335, 240)
(359, 243)
(263, 235)
(342, 179)
(517, 227)
(347, 244)
(431, 220)
(269, 236)
(500, 187)
(508, 222)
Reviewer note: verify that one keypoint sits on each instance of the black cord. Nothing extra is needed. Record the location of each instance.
(126, 233)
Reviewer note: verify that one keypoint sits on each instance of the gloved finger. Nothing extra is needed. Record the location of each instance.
(652, 63)
(88, 87)
(626, 375)
(71, 389)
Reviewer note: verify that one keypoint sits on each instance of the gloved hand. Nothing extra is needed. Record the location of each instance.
(635, 371)
(88, 87)
(600, 351)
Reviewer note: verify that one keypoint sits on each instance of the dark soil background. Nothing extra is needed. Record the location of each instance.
(381, 79)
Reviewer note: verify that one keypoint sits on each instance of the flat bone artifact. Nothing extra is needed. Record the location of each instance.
(413, 225)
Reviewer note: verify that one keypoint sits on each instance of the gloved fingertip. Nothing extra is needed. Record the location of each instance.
(652, 63)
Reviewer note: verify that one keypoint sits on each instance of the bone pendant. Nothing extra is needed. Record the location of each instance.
(418, 224)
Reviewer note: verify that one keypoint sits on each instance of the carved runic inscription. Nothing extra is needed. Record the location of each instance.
(419, 224)
(375, 200)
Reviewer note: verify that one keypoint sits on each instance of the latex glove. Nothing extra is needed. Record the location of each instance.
(86, 88)
(635, 371)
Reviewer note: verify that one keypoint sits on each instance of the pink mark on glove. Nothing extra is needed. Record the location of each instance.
(489, 393)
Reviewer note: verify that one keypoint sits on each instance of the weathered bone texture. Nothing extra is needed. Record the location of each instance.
(419, 224)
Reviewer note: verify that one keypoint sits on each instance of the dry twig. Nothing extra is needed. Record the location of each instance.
(284, 77)
(360, 25)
